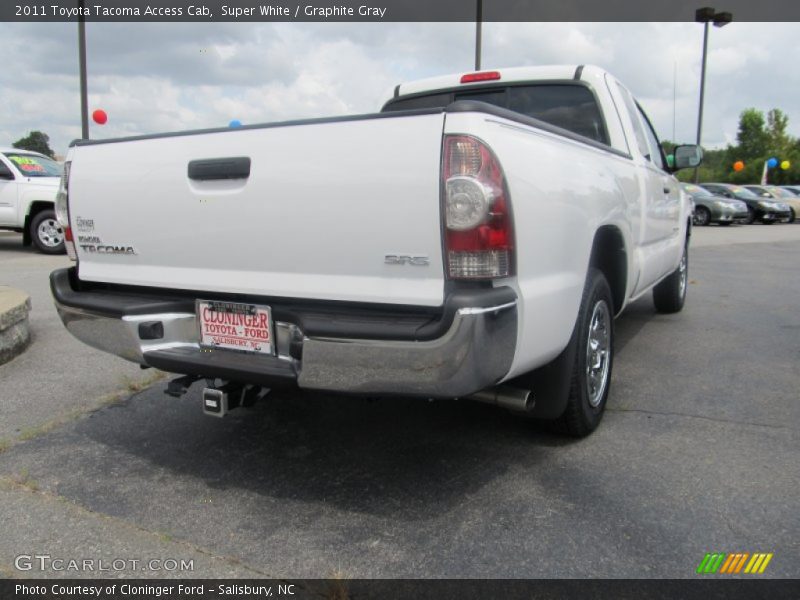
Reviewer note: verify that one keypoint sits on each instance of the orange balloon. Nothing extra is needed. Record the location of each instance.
(738, 165)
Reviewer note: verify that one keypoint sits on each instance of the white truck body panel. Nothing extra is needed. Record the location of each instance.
(602, 189)
(323, 206)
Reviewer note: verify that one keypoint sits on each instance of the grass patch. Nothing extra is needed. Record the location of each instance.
(164, 537)
(130, 385)
(23, 479)
(30, 433)
(6, 572)
(137, 385)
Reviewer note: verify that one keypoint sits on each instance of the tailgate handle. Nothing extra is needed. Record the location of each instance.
(233, 167)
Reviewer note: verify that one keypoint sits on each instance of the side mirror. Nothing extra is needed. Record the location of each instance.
(687, 157)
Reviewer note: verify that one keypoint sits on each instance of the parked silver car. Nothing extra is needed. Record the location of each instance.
(709, 208)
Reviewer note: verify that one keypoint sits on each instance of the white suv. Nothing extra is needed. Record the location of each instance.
(28, 187)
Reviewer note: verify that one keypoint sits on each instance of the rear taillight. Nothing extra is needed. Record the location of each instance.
(62, 212)
(478, 228)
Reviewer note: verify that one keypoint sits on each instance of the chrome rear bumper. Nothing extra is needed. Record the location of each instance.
(474, 353)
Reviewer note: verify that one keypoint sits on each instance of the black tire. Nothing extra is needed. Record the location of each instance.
(751, 216)
(793, 215)
(725, 223)
(586, 402)
(702, 216)
(670, 294)
(46, 233)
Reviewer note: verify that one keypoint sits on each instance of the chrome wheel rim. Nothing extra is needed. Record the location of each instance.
(598, 353)
(684, 274)
(50, 232)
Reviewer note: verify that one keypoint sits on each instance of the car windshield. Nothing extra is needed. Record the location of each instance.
(32, 165)
(695, 191)
(780, 193)
(740, 191)
(760, 192)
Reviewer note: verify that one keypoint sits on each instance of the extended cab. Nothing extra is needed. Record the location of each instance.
(28, 186)
(476, 238)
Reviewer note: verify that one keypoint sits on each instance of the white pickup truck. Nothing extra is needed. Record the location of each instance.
(28, 187)
(474, 239)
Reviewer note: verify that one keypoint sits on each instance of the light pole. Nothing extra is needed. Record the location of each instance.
(705, 16)
(82, 68)
(478, 19)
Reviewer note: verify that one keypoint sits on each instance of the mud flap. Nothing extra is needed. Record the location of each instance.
(549, 384)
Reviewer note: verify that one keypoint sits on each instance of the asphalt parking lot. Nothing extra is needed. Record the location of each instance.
(698, 452)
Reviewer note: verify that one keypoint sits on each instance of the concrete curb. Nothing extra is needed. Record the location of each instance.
(14, 329)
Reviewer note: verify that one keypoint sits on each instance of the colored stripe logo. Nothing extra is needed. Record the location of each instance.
(734, 563)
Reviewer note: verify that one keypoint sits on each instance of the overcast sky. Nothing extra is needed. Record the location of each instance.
(167, 77)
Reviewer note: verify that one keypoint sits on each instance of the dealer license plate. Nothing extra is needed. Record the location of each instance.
(235, 326)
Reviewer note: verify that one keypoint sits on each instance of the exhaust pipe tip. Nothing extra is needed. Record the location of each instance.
(506, 396)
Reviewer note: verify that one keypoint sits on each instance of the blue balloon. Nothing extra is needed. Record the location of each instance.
(772, 163)
(235, 123)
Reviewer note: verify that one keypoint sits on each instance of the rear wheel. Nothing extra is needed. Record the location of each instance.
(751, 216)
(591, 371)
(793, 215)
(47, 233)
(670, 294)
(702, 216)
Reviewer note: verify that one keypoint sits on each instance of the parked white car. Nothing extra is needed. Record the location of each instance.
(28, 187)
(474, 239)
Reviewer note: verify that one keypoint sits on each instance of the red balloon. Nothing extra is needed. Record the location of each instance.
(99, 116)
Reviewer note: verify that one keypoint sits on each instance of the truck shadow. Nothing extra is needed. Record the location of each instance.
(12, 243)
(393, 456)
(387, 456)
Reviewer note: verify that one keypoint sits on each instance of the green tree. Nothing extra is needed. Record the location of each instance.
(35, 141)
(779, 141)
(758, 140)
(753, 138)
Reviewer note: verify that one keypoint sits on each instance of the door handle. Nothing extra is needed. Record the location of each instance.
(234, 167)
(666, 190)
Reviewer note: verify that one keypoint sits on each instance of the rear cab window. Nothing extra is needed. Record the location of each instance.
(570, 106)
